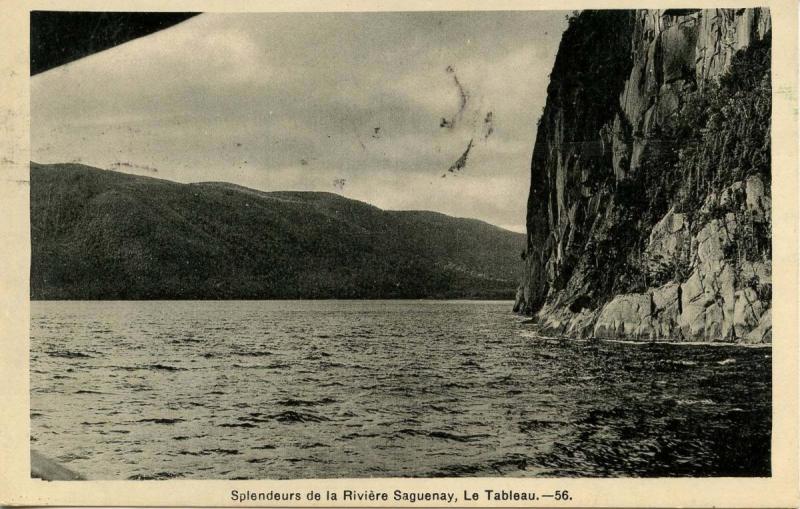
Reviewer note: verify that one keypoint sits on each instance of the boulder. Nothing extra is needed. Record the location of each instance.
(763, 331)
(747, 313)
(626, 315)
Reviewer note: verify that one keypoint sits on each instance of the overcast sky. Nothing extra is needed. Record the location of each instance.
(347, 103)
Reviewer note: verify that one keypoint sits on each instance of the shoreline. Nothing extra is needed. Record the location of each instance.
(533, 335)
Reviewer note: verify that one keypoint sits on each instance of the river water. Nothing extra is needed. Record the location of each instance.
(321, 389)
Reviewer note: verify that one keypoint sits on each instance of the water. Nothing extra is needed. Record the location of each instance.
(320, 389)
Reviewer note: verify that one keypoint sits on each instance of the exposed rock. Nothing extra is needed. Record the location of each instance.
(571, 156)
(563, 322)
(642, 316)
(669, 241)
(625, 316)
(757, 197)
(519, 299)
(707, 305)
(705, 273)
(747, 312)
(763, 331)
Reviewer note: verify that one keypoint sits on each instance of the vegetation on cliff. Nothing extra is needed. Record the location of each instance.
(649, 213)
(720, 136)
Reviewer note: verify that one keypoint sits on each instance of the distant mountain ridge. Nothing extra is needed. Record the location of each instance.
(100, 234)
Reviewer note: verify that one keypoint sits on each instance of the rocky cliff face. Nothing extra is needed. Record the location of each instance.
(649, 211)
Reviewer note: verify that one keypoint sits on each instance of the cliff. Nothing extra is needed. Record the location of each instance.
(649, 210)
(99, 234)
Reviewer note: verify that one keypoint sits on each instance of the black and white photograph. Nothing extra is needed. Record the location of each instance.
(403, 244)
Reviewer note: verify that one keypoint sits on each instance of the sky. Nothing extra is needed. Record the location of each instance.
(377, 107)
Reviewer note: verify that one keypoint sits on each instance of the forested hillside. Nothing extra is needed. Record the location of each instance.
(99, 234)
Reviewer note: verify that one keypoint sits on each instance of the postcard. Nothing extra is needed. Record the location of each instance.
(399, 254)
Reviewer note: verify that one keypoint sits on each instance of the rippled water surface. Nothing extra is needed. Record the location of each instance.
(303, 389)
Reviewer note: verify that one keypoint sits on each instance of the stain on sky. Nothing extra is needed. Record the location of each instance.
(486, 128)
(461, 162)
(463, 98)
(488, 125)
(339, 183)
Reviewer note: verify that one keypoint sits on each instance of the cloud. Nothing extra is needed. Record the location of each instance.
(247, 97)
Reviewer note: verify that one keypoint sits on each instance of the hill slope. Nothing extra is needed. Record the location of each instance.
(99, 234)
